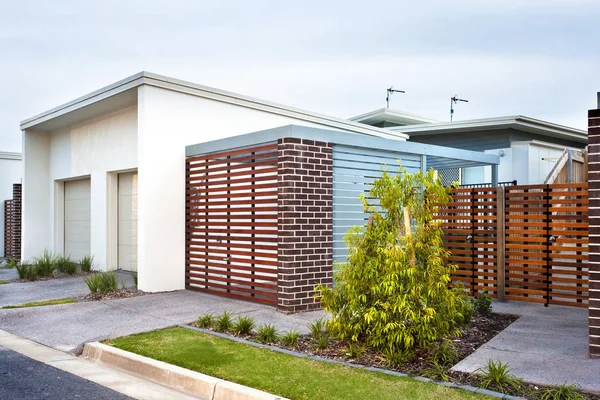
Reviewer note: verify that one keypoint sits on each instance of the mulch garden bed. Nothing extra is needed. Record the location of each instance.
(481, 329)
(120, 294)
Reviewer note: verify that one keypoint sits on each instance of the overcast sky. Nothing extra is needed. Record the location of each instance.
(539, 58)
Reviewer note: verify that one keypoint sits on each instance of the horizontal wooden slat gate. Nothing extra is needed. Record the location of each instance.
(547, 244)
(469, 224)
(527, 243)
(231, 223)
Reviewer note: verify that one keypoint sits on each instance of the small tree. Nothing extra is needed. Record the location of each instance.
(392, 292)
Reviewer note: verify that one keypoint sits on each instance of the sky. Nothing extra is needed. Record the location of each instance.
(539, 58)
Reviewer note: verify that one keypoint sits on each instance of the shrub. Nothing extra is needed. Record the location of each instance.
(244, 325)
(498, 374)
(224, 322)
(65, 265)
(11, 263)
(87, 264)
(318, 328)
(483, 303)
(206, 321)
(290, 338)
(103, 282)
(435, 370)
(444, 353)
(392, 291)
(27, 271)
(563, 392)
(45, 264)
(396, 358)
(355, 351)
(267, 333)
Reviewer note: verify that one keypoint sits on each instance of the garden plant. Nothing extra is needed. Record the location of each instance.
(392, 293)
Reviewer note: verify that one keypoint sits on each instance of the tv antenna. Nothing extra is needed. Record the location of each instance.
(391, 91)
(453, 101)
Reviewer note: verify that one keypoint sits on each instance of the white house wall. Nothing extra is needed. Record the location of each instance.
(95, 148)
(168, 121)
(11, 172)
(541, 161)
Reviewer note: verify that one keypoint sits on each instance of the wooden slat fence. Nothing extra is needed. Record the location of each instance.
(231, 223)
(470, 224)
(547, 244)
(527, 242)
(8, 231)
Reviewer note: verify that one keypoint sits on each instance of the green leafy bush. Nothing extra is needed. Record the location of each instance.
(563, 392)
(444, 352)
(206, 321)
(244, 325)
(65, 265)
(483, 303)
(497, 375)
(87, 264)
(436, 370)
(267, 333)
(11, 263)
(392, 292)
(103, 282)
(27, 271)
(224, 322)
(45, 265)
(318, 328)
(355, 351)
(290, 338)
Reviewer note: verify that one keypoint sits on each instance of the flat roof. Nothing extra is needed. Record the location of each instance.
(437, 157)
(518, 122)
(95, 103)
(394, 116)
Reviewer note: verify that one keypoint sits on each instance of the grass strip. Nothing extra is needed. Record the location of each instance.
(42, 303)
(277, 373)
(4, 282)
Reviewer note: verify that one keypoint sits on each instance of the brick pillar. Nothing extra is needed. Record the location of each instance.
(305, 222)
(594, 229)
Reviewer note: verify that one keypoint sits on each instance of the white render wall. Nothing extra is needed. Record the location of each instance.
(11, 172)
(99, 146)
(168, 121)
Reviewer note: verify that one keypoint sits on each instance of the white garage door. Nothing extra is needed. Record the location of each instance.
(77, 218)
(128, 221)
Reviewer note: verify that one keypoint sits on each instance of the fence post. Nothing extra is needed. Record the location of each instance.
(500, 243)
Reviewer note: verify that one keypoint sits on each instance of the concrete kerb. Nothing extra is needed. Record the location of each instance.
(352, 365)
(190, 382)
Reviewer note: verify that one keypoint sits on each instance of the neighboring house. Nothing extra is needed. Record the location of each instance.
(104, 174)
(528, 148)
(11, 171)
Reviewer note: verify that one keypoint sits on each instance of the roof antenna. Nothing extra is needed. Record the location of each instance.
(390, 92)
(453, 101)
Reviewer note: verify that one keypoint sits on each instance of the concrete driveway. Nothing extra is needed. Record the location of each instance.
(67, 326)
(546, 346)
(25, 292)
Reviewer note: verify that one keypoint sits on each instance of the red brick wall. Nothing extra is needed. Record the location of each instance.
(594, 226)
(305, 222)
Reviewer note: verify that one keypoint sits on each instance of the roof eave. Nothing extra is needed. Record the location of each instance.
(151, 79)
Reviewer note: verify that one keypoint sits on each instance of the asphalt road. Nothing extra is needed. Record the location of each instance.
(24, 378)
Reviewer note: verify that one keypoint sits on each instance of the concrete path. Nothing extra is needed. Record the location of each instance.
(68, 326)
(25, 292)
(113, 379)
(546, 346)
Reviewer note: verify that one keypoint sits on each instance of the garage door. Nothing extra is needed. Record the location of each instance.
(128, 221)
(77, 218)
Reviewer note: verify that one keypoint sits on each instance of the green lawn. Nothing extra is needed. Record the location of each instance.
(277, 373)
(4, 282)
(42, 303)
